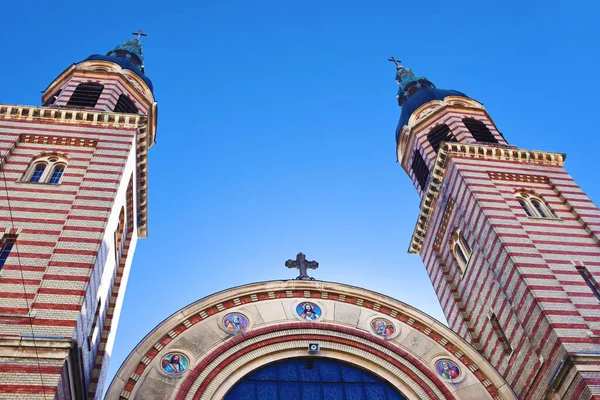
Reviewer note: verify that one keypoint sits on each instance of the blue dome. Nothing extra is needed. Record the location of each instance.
(423, 96)
(125, 63)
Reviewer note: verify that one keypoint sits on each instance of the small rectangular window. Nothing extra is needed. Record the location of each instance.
(590, 280)
(500, 334)
(5, 252)
(419, 168)
(92, 336)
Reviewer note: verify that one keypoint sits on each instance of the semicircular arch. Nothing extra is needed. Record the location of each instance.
(204, 333)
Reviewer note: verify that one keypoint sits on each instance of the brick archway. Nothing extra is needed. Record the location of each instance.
(404, 371)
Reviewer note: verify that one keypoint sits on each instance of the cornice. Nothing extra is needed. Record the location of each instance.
(145, 127)
(451, 149)
(70, 116)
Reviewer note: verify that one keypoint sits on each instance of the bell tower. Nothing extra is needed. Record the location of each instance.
(510, 242)
(73, 202)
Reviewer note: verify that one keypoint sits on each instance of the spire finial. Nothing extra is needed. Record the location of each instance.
(397, 62)
(139, 34)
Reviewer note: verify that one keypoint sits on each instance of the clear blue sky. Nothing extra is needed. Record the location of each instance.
(276, 125)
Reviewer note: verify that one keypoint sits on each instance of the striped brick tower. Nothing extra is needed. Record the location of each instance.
(509, 240)
(73, 201)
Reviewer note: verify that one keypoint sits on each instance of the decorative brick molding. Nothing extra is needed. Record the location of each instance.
(505, 176)
(58, 140)
(207, 376)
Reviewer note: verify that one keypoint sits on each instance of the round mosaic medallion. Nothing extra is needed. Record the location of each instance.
(174, 363)
(447, 369)
(383, 327)
(308, 311)
(235, 322)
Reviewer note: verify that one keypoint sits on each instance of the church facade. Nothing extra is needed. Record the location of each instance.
(510, 242)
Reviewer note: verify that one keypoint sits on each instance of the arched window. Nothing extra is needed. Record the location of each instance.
(525, 206)
(86, 95)
(537, 204)
(479, 130)
(460, 255)
(38, 172)
(57, 172)
(46, 169)
(461, 251)
(420, 169)
(312, 378)
(438, 135)
(534, 206)
(125, 105)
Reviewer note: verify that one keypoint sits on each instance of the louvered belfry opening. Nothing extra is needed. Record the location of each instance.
(86, 95)
(438, 135)
(125, 105)
(420, 169)
(479, 130)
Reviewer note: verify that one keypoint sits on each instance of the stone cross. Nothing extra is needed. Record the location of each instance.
(302, 265)
(139, 33)
(393, 59)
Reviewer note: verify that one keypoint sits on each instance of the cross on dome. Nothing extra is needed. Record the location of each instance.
(395, 61)
(139, 34)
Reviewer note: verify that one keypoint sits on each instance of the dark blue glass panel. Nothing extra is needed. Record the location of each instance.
(265, 374)
(288, 390)
(355, 392)
(330, 372)
(351, 374)
(56, 174)
(5, 252)
(288, 372)
(333, 392)
(312, 379)
(311, 391)
(375, 391)
(37, 173)
(265, 390)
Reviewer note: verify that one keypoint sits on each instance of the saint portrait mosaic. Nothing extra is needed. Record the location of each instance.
(308, 311)
(175, 363)
(383, 327)
(447, 369)
(235, 322)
